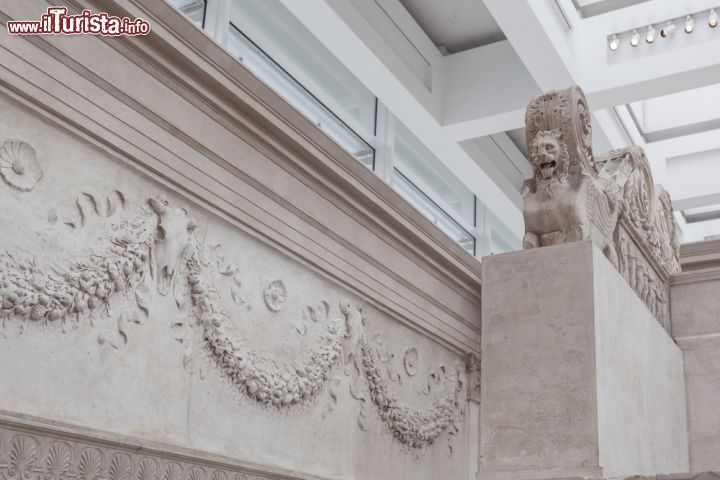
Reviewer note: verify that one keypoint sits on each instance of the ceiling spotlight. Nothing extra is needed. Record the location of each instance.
(713, 20)
(650, 36)
(689, 24)
(614, 43)
(667, 30)
(635, 39)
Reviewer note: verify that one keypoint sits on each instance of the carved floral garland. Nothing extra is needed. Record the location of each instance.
(266, 385)
(119, 266)
(411, 427)
(83, 288)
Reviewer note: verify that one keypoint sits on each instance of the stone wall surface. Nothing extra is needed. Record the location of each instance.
(696, 327)
(578, 380)
(642, 408)
(130, 313)
(188, 263)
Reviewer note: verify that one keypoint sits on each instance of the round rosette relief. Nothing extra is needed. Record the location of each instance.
(275, 295)
(410, 361)
(19, 166)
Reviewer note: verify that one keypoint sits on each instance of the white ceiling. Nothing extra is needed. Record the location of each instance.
(678, 114)
(456, 25)
(663, 97)
(589, 8)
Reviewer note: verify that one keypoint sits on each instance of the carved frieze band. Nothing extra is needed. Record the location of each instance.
(46, 454)
(158, 251)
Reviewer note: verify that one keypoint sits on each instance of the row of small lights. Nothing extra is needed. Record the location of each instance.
(665, 32)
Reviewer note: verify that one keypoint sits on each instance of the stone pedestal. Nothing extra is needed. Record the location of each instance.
(695, 305)
(578, 378)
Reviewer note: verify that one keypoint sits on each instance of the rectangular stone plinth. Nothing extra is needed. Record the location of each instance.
(695, 306)
(578, 378)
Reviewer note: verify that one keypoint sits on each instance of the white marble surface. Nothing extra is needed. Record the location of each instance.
(161, 383)
(696, 328)
(578, 378)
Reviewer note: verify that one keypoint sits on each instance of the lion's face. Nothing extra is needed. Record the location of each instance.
(545, 153)
(548, 155)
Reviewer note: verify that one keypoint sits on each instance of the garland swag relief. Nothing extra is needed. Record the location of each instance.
(158, 247)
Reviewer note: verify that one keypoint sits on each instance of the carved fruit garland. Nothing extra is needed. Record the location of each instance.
(260, 380)
(412, 428)
(26, 291)
(164, 241)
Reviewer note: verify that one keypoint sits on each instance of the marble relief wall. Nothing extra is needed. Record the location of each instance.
(129, 309)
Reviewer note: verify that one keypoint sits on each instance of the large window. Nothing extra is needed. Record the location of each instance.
(413, 159)
(424, 181)
(427, 206)
(280, 80)
(282, 52)
(288, 42)
(194, 9)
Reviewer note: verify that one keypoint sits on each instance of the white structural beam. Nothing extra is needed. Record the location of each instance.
(537, 33)
(486, 91)
(346, 28)
(686, 145)
(671, 65)
(556, 56)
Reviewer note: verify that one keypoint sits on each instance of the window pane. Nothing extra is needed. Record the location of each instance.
(501, 238)
(194, 9)
(413, 157)
(280, 81)
(274, 29)
(432, 211)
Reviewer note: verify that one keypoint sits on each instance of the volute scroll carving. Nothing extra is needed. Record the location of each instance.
(610, 198)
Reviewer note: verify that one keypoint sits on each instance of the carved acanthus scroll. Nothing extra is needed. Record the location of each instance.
(610, 198)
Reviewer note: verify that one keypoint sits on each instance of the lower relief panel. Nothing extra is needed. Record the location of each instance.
(127, 310)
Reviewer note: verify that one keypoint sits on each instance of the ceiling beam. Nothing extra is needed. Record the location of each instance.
(556, 57)
(486, 90)
(536, 31)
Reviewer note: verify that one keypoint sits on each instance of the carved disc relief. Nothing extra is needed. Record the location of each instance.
(275, 295)
(19, 166)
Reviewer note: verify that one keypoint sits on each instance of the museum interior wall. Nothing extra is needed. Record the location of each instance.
(197, 283)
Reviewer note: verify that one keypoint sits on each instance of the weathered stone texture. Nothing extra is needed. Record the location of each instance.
(578, 379)
(695, 305)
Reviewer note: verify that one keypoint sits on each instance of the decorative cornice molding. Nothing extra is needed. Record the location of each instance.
(695, 276)
(700, 255)
(422, 277)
